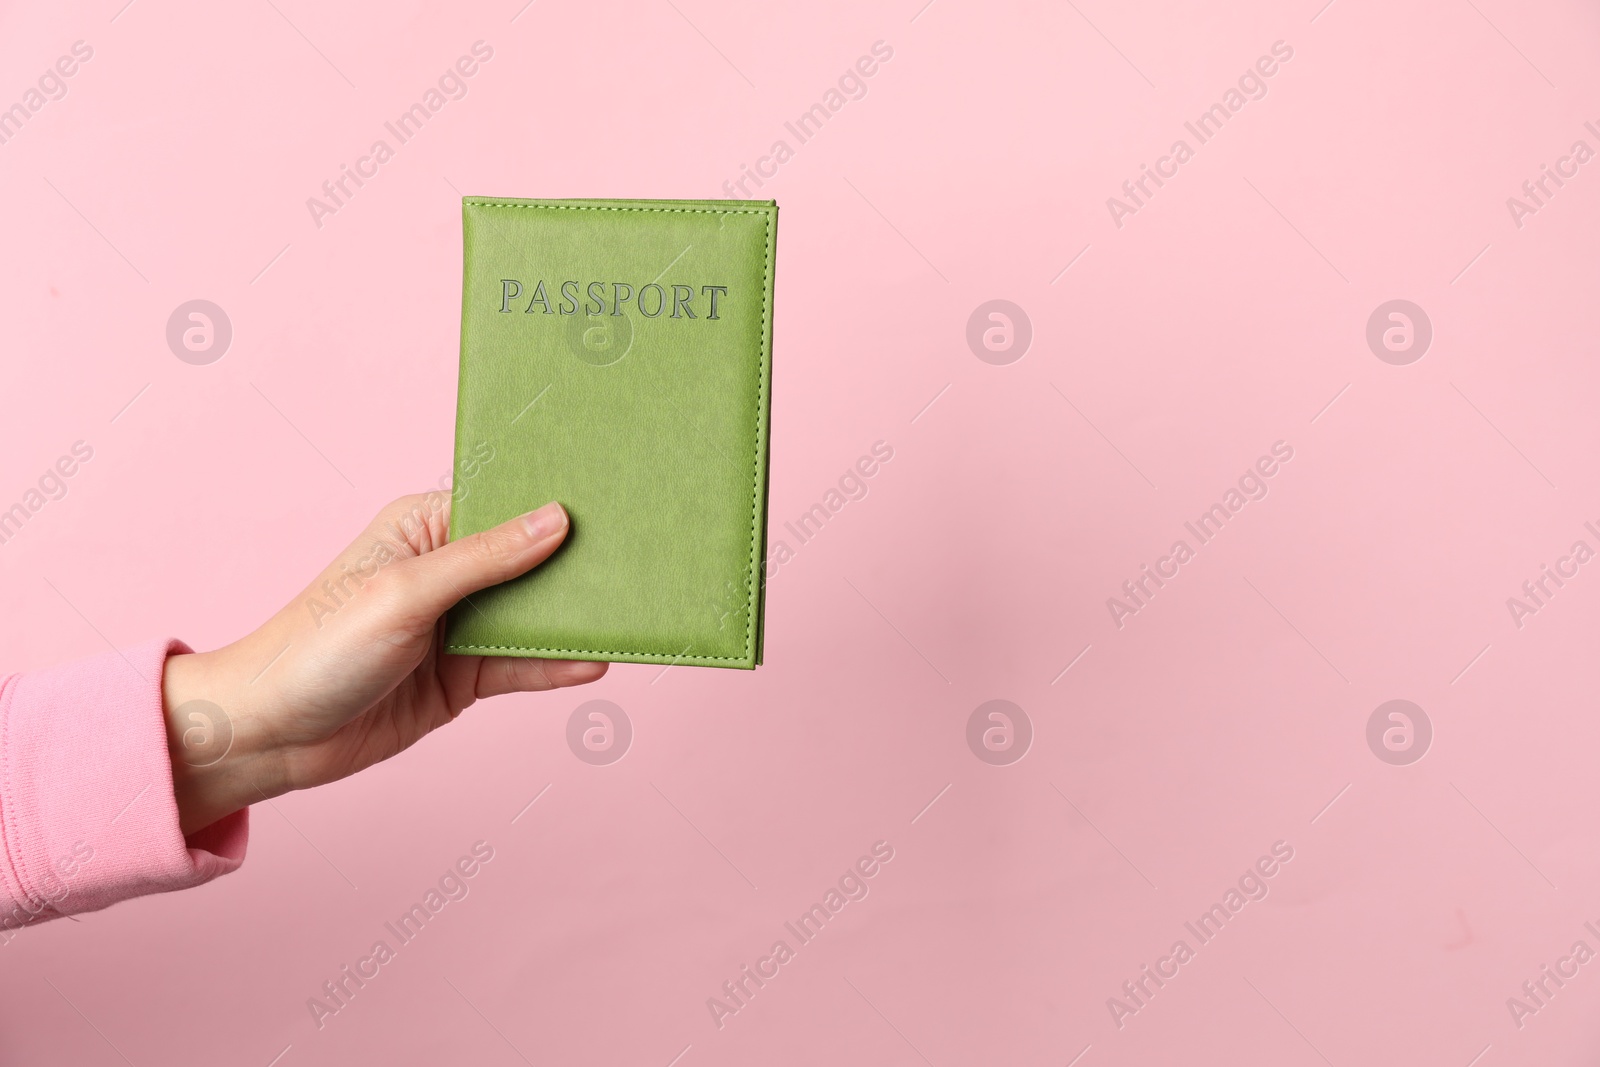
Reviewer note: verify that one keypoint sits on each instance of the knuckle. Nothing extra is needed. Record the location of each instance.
(420, 519)
(401, 505)
(488, 552)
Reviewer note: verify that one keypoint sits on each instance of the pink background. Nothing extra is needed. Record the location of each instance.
(1224, 717)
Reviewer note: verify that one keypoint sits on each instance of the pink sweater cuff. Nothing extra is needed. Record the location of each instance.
(87, 814)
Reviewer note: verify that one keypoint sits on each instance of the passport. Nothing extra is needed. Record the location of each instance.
(616, 355)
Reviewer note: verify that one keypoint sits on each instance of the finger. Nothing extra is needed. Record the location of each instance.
(505, 674)
(435, 581)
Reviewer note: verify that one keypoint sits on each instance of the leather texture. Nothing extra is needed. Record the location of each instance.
(650, 428)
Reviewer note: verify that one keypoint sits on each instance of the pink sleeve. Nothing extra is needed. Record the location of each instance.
(87, 815)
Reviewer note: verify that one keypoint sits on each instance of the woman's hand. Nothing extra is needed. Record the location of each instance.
(353, 671)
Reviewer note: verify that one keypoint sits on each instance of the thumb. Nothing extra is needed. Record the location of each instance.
(441, 578)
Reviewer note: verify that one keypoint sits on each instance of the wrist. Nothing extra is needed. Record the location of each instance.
(221, 759)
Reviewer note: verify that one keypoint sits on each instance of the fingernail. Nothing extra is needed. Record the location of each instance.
(548, 520)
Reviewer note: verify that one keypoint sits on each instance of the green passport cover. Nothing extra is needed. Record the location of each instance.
(616, 355)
